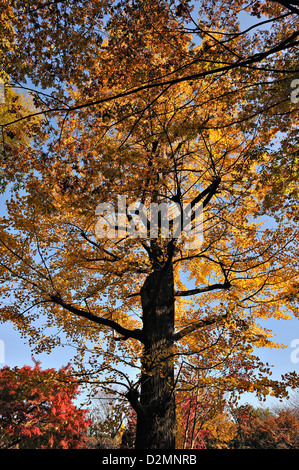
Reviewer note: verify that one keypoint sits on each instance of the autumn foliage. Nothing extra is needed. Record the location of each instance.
(154, 101)
(232, 427)
(260, 429)
(203, 421)
(37, 409)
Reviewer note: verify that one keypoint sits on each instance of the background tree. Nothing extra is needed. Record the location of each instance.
(195, 414)
(262, 429)
(37, 409)
(292, 405)
(129, 435)
(150, 115)
(107, 423)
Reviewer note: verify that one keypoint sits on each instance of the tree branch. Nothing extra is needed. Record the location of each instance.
(208, 192)
(289, 5)
(199, 290)
(133, 398)
(125, 332)
(258, 57)
(194, 326)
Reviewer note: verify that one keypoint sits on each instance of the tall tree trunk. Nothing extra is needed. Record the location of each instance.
(156, 414)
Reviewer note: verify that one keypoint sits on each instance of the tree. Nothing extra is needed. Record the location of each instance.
(203, 414)
(150, 116)
(37, 409)
(293, 404)
(203, 421)
(260, 429)
(107, 424)
(129, 435)
(194, 414)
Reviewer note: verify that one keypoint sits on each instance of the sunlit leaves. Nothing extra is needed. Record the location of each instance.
(167, 107)
(37, 409)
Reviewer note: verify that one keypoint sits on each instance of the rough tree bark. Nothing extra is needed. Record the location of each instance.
(155, 406)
